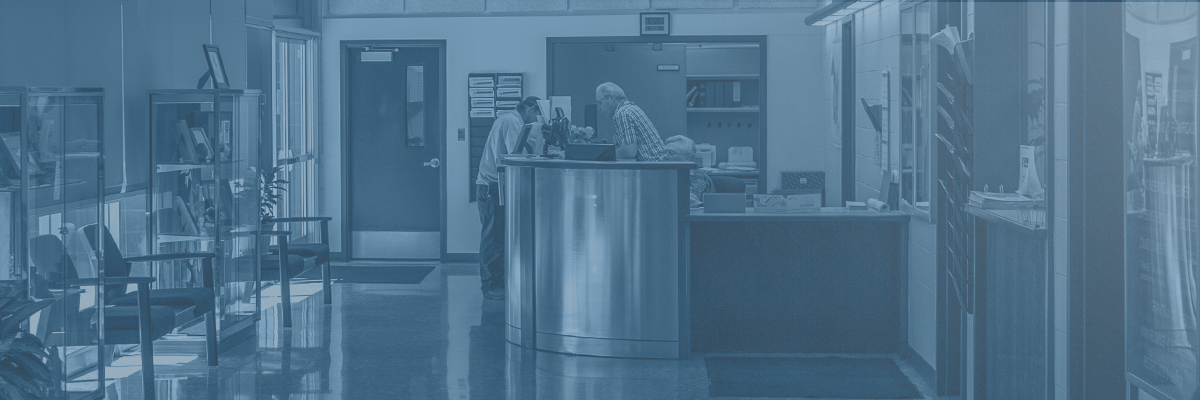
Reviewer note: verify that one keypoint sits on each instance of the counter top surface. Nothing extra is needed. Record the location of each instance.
(825, 214)
(539, 162)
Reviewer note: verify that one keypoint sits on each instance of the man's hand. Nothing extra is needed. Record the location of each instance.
(627, 152)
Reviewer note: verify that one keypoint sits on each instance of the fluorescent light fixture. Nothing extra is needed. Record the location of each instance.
(836, 11)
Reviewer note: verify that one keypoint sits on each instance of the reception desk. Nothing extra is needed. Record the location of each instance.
(596, 263)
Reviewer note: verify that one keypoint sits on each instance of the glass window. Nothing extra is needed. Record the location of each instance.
(916, 102)
(295, 133)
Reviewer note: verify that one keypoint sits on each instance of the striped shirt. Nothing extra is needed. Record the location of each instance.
(633, 127)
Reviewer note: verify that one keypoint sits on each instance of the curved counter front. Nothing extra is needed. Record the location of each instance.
(594, 256)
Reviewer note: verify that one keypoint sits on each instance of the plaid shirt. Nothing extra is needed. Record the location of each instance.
(700, 183)
(633, 127)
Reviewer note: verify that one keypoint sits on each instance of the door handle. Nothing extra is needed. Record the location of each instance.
(434, 163)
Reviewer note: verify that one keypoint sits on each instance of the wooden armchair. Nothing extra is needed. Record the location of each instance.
(140, 323)
(319, 251)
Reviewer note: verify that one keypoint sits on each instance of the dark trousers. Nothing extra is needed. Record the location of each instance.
(491, 241)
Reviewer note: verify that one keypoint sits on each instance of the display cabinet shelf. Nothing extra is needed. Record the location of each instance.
(173, 167)
(204, 191)
(294, 160)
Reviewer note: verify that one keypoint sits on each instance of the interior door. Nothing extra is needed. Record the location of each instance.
(580, 67)
(393, 136)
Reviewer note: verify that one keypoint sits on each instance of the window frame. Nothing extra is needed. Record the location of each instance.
(907, 145)
(308, 160)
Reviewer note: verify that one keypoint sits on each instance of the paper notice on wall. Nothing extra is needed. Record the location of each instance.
(1029, 184)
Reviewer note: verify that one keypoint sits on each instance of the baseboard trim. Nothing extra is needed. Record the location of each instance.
(461, 257)
(926, 371)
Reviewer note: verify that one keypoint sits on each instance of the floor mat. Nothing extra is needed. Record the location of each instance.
(808, 377)
(373, 274)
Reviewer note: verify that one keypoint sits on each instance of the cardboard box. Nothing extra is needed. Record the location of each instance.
(787, 203)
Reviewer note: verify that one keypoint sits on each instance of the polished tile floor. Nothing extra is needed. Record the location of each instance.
(435, 340)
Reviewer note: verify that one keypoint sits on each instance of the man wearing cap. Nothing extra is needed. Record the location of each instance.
(502, 140)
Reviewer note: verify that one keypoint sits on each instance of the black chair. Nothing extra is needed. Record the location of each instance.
(728, 184)
(138, 324)
(318, 251)
(201, 300)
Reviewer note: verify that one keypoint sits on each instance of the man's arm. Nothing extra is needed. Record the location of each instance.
(624, 137)
(510, 132)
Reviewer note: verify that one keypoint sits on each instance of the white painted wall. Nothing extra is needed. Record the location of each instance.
(877, 44)
(795, 125)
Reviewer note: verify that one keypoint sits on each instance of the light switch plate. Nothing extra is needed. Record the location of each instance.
(462, 134)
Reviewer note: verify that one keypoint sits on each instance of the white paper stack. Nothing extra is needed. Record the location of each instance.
(1003, 201)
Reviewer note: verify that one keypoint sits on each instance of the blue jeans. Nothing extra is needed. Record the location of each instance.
(491, 241)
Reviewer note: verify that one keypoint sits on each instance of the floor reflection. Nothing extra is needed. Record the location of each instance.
(435, 340)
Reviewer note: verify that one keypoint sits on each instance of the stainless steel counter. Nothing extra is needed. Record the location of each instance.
(595, 262)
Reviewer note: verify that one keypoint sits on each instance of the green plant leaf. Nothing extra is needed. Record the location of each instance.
(20, 379)
(20, 312)
(13, 392)
(6, 346)
(33, 365)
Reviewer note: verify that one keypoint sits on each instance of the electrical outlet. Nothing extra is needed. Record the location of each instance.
(462, 134)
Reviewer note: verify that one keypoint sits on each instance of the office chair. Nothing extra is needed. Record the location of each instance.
(728, 184)
(202, 300)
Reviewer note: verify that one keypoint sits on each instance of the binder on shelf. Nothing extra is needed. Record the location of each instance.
(729, 94)
(477, 102)
(482, 92)
(185, 216)
(483, 113)
(737, 94)
(508, 80)
(185, 143)
(514, 92)
(203, 150)
(481, 81)
(507, 104)
(720, 98)
(710, 99)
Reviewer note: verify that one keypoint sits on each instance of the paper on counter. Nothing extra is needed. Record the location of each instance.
(877, 205)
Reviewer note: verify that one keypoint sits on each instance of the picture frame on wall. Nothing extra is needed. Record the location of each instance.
(216, 66)
(653, 24)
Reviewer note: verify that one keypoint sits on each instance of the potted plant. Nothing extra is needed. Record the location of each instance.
(28, 370)
(272, 192)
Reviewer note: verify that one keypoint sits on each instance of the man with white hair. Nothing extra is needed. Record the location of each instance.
(635, 135)
(681, 148)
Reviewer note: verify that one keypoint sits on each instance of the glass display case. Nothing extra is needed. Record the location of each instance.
(51, 186)
(204, 194)
(1161, 71)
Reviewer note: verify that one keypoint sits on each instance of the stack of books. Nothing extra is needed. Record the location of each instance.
(1003, 201)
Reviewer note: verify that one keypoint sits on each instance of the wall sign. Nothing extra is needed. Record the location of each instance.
(655, 23)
